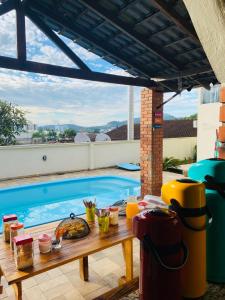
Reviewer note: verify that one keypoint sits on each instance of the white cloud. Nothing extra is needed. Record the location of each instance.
(49, 99)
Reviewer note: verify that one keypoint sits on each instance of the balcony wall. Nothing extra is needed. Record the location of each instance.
(26, 160)
(208, 123)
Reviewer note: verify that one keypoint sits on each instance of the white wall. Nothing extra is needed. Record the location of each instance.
(25, 160)
(208, 17)
(179, 147)
(208, 123)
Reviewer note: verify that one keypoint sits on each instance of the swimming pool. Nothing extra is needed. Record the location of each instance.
(41, 203)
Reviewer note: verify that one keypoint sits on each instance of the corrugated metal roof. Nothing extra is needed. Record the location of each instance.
(140, 37)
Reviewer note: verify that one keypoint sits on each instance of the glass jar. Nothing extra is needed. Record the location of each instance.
(103, 224)
(45, 243)
(114, 215)
(7, 221)
(23, 251)
(15, 230)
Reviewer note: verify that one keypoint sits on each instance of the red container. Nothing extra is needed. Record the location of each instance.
(163, 254)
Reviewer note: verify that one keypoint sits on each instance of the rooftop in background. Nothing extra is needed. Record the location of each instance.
(172, 129)
(150, 39)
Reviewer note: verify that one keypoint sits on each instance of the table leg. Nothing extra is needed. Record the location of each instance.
(1, 287)
(18, 290)
(84, 268)
(127, 247)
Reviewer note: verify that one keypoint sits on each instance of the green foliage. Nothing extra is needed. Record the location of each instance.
(61, 135)
(39, 134)
(12, 123)
(170, 162)
(69, 133)
(195, 154)
(173, 163)
(191, 117)
(52, 135)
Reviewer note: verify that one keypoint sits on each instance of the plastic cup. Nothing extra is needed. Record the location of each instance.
(103, 223)
(90, 214)
(132, 209)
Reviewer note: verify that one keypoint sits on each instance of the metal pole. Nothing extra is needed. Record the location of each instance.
(130, 123)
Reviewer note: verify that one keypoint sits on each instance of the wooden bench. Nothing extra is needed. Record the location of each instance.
(70, 251)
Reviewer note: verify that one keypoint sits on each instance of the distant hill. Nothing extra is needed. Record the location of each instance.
(109, 126)
(191, 117)
(168, 117)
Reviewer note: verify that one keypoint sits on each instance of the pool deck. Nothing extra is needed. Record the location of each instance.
(98, 172)
(64, 283)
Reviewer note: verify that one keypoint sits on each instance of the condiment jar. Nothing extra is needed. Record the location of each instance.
(23, 251)
(114, 215)
(15, 230)
(7, 221)
(45, 243)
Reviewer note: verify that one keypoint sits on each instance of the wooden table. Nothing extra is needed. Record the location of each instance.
(70, 251)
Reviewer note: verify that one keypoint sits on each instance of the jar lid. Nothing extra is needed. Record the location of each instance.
(44, 238)
(158, 212)
(8, 218)
(114, 208)
(142, 203)
(16, 226)
(23, 239)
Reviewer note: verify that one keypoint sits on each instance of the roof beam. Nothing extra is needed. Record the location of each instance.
(112, 18)
(7, 7)
(56, 40)
(177, 41)
(20, 31)
(147, 17)
(186, 73)
(30, 66)
(169, 11)
(190, 50)
(161, 30)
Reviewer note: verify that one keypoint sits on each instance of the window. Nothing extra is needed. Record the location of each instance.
(212, 95)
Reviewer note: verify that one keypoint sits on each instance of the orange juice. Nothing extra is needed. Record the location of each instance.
(132, 209)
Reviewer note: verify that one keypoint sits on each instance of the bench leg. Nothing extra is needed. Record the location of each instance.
(18, 290)
(84, 268)
(127, 247)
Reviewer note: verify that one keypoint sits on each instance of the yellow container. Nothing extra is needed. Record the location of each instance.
(190, 203)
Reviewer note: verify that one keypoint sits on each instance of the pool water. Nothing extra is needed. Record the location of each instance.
(41, 203)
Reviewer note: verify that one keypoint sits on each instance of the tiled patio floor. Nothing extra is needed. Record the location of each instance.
(64, 283)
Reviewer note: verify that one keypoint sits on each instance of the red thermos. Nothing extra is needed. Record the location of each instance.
(163, 254)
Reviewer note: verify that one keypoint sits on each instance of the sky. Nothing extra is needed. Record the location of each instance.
(54, 100)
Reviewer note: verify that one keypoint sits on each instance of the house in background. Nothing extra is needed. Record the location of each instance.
(208, 121)
(26, 136)
(179, 137)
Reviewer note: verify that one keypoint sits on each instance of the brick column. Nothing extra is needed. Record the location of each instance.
(151, 143)
(221, 130)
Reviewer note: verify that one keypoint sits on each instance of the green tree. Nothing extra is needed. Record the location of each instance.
(52, 135)
(69, 133)
(61, 135)
(191, 117)
(39, 134)
(12, 123)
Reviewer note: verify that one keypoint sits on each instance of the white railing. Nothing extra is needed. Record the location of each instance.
(25, 160)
